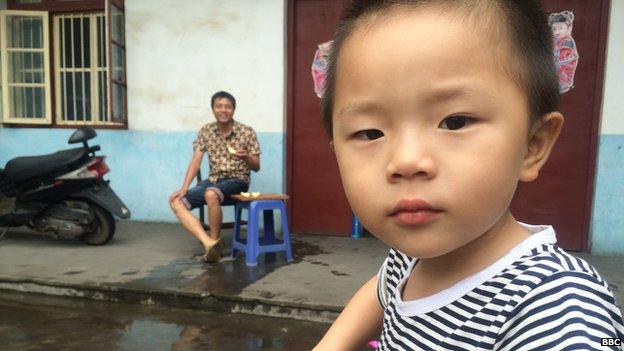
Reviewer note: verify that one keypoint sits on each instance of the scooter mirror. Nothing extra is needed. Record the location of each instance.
(82, 135)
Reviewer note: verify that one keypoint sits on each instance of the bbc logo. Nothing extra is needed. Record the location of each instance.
(611, 342)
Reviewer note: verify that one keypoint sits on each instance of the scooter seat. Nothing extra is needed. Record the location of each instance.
(21, 169)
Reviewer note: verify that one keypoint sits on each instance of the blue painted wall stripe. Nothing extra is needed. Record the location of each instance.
(146, 166)
(607, 226)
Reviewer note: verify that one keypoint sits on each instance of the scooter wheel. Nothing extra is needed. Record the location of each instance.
(103, 227)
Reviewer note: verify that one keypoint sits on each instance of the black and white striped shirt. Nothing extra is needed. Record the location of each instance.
(537, 297)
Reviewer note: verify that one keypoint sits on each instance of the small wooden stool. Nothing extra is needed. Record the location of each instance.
(255, 245)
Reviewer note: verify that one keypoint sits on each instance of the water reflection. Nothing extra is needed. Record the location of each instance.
(30, 323)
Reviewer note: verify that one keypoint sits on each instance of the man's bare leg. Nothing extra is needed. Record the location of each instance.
(191, 223)
(215, 214)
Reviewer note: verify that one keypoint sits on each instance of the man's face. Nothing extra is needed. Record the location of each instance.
(429, 132)
(223, 110)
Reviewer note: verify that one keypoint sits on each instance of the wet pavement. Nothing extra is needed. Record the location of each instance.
(155, 263)
(158, 264)
(36, 322)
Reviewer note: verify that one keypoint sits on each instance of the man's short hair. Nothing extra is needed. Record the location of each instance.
(223, 94)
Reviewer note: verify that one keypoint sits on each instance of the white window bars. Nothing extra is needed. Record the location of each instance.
(80, 59)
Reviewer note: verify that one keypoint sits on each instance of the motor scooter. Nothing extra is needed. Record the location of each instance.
(63, 194)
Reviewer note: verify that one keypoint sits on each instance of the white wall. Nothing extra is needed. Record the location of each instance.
(178, 56)
(612, 108)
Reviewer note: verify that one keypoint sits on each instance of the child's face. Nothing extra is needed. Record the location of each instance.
(560, 30)
(426, 117)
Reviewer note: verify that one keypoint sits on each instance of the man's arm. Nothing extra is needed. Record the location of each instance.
(252, 161)
(191, 172)
(253, 153)
(359, 322)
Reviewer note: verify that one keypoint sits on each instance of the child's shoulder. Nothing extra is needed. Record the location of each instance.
(551, 288)
(548, 263)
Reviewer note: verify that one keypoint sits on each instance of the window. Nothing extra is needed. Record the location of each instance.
(25, 78)
(80, 68)
(80, 80)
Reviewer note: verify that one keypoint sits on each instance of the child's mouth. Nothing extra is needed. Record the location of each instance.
(410, 212)
(410, 218)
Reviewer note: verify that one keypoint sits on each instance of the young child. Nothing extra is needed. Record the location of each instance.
(436, 109)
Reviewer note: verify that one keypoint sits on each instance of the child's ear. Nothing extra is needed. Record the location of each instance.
(331, 145)
(542, 138)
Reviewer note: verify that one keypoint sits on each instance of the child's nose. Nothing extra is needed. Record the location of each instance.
(411, 159)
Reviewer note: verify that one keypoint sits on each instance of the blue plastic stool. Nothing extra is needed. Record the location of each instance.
(255, 245)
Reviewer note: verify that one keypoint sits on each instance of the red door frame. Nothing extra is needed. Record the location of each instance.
(290, 69)
(595, 134)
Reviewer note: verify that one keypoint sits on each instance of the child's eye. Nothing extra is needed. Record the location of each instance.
(369, 134)
(455, 122)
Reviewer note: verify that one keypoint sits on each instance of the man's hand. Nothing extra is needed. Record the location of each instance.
(242, 153)
(177, 195)
(253, 161)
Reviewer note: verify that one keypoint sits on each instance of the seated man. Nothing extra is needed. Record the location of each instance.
(233, 151)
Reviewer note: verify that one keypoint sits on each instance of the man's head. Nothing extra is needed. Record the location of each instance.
(223, 106)
(521, 24)
(223, 95)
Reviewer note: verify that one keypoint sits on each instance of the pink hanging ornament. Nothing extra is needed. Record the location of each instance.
(319, 67)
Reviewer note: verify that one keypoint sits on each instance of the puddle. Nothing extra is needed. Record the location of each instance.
(33, 322)
(228, 277)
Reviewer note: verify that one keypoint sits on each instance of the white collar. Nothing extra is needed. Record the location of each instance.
(541, 234)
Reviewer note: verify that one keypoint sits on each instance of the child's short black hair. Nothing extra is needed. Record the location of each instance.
(223, 94)
(526, 26)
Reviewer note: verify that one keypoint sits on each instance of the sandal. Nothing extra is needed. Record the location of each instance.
(219, 245)
(213, 254)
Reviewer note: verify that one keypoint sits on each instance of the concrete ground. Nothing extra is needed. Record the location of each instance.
(158, 264)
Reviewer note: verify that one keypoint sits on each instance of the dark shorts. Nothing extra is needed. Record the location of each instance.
(224, 188)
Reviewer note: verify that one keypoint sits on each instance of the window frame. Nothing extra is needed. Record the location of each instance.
(110, 66)
(53, 7)
(47, 84)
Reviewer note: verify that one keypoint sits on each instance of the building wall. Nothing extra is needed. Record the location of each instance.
(177, 57)
(607, 231)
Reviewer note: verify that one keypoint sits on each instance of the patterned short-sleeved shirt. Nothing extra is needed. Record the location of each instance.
(222, 163)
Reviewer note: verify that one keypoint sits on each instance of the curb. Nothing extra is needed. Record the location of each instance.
(174, 299)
